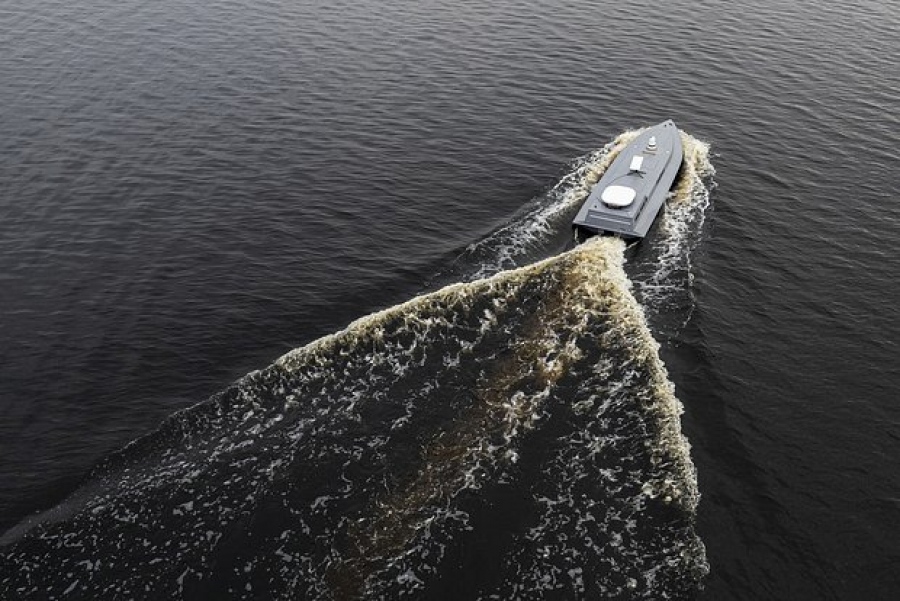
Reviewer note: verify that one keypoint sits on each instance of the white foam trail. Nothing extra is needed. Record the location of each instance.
(662, 272)
(411, 527)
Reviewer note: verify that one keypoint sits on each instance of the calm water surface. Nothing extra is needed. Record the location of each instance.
(190, 190)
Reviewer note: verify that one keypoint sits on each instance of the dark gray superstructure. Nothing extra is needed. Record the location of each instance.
(630, 194)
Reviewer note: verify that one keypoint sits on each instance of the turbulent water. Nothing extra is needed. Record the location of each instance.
(511, 436)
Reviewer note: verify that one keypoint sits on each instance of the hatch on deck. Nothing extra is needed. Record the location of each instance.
(618, 196)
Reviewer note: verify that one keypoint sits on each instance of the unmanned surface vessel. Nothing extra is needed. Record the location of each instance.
(628, 197)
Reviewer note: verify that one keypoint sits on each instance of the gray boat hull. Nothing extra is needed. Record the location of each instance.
(626, 200)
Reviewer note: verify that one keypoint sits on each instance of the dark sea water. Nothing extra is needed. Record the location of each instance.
(189, 191)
